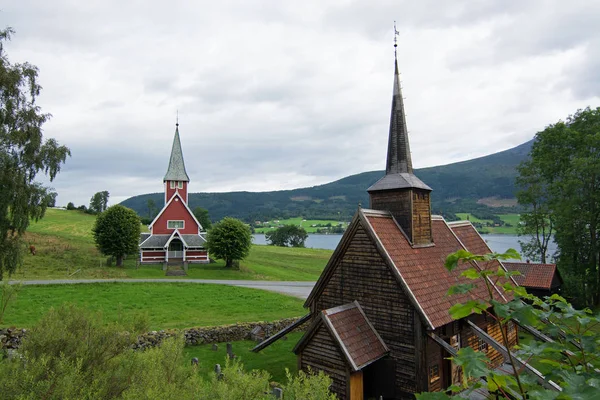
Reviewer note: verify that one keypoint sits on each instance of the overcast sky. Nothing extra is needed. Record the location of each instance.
(286, 94)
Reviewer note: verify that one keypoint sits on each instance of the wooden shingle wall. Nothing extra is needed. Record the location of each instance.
(321, 354)
(361, 274)
(421, 217)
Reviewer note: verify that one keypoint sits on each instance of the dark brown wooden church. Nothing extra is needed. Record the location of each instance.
(380, 326)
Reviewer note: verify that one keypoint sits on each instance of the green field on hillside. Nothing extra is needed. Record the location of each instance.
(65, 249)
(310, 225)
(274, 359)
(168, 305)
(511, 221)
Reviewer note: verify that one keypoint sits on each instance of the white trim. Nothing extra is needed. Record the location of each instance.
(176, 220)
(176, 194)
(179, 236)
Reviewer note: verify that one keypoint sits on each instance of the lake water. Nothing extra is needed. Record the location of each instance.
(498, 243)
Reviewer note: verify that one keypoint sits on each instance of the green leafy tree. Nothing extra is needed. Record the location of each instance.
(117, 232)
(538, 222)
(570, 360)
(23, 154)
(202, 216)
(229, 239)
(151, 208)
(287, 235)
(70, 206)
(99, 202)
(566, 159)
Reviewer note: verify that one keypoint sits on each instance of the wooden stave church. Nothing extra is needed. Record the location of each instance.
(379, 320)
(175, 235)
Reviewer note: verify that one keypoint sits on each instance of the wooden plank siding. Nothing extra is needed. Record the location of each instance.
(490, 326)
(361, 274)
(421, 217)
(322, 354)
(396, 202)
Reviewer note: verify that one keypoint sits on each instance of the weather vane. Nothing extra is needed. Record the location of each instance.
(396, 33)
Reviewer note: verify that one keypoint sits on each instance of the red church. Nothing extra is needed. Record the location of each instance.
(175, 235)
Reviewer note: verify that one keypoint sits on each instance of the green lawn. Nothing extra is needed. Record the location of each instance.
(299, 221)
(65, 249)
(274, 359)
(175, 305)
(512, 219)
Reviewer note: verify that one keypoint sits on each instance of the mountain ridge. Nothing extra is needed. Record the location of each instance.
(456, 187)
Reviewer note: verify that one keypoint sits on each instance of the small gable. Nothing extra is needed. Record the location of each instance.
(175, 210)
(355, 335)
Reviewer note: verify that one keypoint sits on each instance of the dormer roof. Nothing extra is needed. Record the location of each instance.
(176, 170)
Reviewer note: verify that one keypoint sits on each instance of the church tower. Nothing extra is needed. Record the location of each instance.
(400, 192)
(176, 179)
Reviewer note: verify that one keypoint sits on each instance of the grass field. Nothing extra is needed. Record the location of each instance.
(274, 359)
(305, 223)
(174, 305)
(512, 219)
(65, 249)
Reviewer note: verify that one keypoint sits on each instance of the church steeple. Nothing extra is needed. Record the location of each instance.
(400, 192)
(398, 157)
(176, 169)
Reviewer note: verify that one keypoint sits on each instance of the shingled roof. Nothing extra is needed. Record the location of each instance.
(176, 169)
(419, 270)
(351, 330)
(535, 276)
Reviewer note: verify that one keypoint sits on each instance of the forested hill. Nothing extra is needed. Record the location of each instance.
(456, 187)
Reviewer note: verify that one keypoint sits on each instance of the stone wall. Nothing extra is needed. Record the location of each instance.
(10, 338)
(218, 334)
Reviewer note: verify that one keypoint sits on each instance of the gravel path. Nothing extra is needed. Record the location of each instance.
(292, 288)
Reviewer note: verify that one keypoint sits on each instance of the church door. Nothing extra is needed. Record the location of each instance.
(175, 249)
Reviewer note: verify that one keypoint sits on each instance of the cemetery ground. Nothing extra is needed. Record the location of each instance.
(65, 250)
(274, 359)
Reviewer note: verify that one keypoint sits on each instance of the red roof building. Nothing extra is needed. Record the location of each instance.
(539, 279)
(175, 235)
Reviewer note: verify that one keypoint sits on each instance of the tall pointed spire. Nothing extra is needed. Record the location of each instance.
(398, 156)
(400, 192)
(176, 170)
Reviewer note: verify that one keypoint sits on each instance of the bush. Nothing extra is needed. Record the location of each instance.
(70, 206)
(72, 354)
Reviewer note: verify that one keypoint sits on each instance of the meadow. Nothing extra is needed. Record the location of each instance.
(65, 249)
(511, 219)
(304, 223)
(172, 305)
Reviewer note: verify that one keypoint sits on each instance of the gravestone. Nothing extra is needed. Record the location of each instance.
(195, 361)
(230, 351)
(218, 372)
(277, 392)
(215, 347)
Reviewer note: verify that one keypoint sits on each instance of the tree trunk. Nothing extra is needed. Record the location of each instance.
(120, 261)
(228, 263)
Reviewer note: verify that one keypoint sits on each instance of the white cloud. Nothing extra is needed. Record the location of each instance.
(287, 94)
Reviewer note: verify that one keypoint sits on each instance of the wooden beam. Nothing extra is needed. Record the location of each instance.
(548, 384)
(280, 334)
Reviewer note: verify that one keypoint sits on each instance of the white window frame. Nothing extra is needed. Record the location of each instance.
(175, 220)
(179, 184)
(172, 184)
